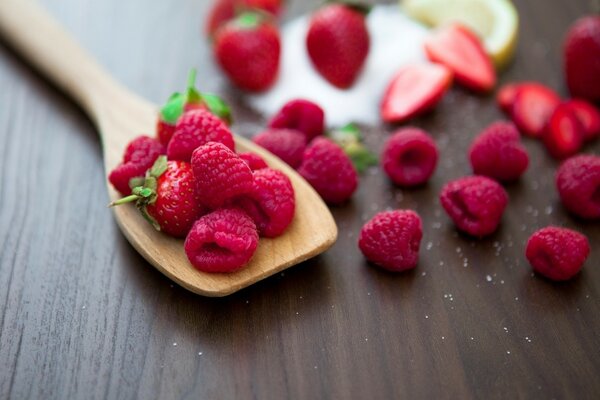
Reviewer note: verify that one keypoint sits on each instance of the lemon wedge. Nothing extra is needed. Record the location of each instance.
(495, 21)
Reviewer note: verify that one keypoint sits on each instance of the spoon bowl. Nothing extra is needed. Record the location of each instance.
(121, 116)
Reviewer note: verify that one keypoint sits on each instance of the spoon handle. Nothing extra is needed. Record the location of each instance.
(44, 43)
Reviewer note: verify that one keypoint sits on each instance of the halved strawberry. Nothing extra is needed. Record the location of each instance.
(506, 97)
(458, 48)
(588, 115)
(532, 106)
(563, 135)
(414, 89)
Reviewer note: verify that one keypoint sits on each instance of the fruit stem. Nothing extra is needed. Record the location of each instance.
(124, 200)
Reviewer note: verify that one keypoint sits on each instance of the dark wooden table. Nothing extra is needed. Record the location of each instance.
(84, 316)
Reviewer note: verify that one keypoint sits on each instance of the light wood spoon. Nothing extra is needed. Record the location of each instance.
(119, 116)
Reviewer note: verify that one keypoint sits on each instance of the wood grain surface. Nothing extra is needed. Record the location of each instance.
(85, 317)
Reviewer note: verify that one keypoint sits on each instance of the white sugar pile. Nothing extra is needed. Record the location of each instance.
(396, 40)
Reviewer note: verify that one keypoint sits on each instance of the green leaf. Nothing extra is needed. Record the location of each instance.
(361, 157)
(171, 111)
(218, 107)
(159, 167)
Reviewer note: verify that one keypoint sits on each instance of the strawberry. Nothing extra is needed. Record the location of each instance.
(226, 10)
(414, 89)
(458, 48)
(533, 104)
(588, 115)
(167, 197)
(338, 42)
(564, 133)
(191, 99)
(582, 58)
(248, 50)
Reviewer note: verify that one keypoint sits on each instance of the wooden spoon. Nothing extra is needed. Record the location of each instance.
(119, 116)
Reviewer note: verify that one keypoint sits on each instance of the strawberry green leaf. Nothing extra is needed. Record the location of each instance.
(218, 107)
(159, 167)
(350, 138)
(361, 157)
(173, 109)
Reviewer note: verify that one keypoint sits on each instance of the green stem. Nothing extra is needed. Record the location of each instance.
(125, 200)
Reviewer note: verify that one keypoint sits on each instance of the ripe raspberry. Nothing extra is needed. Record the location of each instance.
(578, 183)
(220, 174)
(392, 239)
(475, 204)
(195, 128)
(557, 253)
(410, 157)
(286, 144)
(271, 203)
(139, 156)
(253, 160)
(329, 170)
(498, 153)
(301, 115)
(222, 241)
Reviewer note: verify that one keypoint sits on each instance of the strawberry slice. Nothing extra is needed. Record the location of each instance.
(506, 97)
(564, 133)
(588, 115)
(414, 89)
(458, 48)
(533, 105)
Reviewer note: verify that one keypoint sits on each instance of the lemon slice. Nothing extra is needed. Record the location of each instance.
(495, 21)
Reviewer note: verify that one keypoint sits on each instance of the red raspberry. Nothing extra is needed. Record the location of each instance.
(557, 253)
(475, 204)
(498, 153)
(329, 170)
(222, 241)
(286, 144)
(271, 203)
(578, 183)
(220, 174)
(392, 239)
(301, 115)
(140, 155)
(253, 160)
(410, 157)
(195, 128)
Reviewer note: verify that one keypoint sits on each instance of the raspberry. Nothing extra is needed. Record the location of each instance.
(301, 115)
(392, 239)
(220, 174)
(329, 170)
(195, 128)
(222, 241)
(498, 153)
(139, 156)
(557, 253)
(286, 144)
(578, 183)
(253, 160)
(475, 204)
(271, 203)
(410, 157)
